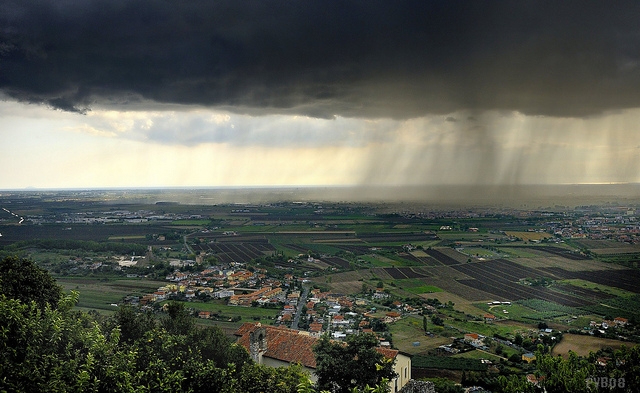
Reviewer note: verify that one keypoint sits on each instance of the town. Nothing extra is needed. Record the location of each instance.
(467, 295)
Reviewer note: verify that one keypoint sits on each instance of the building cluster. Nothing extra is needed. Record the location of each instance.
(618, 225)
(602, 327)
(109, 217)
(318, 312)
(232, 281)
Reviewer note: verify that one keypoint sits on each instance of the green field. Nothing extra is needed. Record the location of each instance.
(485, 329)
(130, 237)
(449, 363)
(598, 287)
(479, 252)
(247, 314)
(516, 252)
(409, 330)
(100, 294)
(423, 289)
(191, 222)
(532, 310)
(416, 286)
(476, 354)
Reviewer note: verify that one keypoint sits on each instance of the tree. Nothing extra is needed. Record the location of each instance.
(424, 323)
(213, 344)
(179, 320)
(58, 350)
(133, 324)
(518, 339)
(23, 280)
(356, 363)
(515, 358)
(437, 320)
(565, 375)
(444, 385)
(513, 383)
(258, 378)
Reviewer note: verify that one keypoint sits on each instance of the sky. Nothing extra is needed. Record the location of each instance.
(154, 93)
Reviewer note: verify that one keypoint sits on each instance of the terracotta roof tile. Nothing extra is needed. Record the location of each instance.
(388, 353)
(289, 345)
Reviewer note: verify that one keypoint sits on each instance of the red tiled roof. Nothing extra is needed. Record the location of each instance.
(388, 353)
(283, 344)
(288, 345)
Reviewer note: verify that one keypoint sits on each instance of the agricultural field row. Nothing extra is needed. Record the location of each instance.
(501, 278)
(237, 252)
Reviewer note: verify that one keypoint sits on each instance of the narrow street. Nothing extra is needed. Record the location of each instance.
(301, 302)
(186, 245)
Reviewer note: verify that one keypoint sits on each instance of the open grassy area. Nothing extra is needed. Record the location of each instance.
(245, 312)
(485, 329)
(476, 354)
(526, 236)
(516, 312)
(583, 345)
(379, 260)
(130, 237)
(516, 252)
(409, 330)
(423, 289)
(598, 287)
(479, 252)
(100, 293)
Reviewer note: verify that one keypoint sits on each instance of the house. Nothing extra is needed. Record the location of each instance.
(489, 318)
(532, 379)
(222, 294)
(619, 321)
(278, 346)
(474, 339)
(392, 316)
(315, 329)
(528, 357)
(159, 295)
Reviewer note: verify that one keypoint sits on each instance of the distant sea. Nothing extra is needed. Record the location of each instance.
(453, 196)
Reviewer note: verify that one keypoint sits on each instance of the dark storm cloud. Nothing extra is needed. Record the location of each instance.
(324, 58)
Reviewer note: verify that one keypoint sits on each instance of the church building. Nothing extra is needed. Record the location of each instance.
(280, 346)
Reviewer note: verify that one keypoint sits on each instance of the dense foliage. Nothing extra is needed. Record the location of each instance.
(22, 280)
(606, 371)
(341, 367)
(85, 245)
(450, 363)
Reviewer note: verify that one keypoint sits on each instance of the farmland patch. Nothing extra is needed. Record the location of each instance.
(583, 345)
(528, 236)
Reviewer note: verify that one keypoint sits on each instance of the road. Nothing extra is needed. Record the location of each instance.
(301, 303)
(186, 245)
